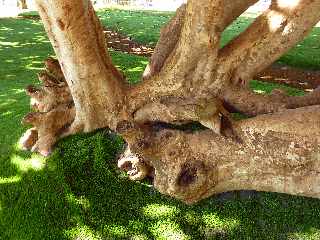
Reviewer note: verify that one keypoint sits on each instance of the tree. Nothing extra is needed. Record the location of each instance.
(189, 79)
(23, 4)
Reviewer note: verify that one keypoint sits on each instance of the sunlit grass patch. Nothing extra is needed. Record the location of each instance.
(36, 162)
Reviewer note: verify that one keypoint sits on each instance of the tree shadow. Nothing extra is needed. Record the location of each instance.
(116, 208)
(35, 205)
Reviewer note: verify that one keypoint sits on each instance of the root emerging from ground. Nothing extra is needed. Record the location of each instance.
(53, 110)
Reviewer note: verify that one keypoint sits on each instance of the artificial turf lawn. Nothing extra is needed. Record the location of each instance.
(78, 192)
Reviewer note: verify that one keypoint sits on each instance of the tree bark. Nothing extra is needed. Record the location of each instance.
(23, 4)
(189, 79)
(78, 40)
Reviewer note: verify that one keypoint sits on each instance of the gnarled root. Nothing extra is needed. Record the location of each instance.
(135, 167)
(29, 139)
(53, 110)
(49, 126)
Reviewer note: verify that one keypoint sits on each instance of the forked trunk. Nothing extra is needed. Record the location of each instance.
(189, 79)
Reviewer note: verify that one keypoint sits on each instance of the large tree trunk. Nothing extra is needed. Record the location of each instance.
(189, 79)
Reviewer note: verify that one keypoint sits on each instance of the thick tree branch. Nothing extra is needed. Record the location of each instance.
(191, 62)
(233, 9)
(269, 36)
(277, 153)
(209, 112)
(252, 104)
(169, 36)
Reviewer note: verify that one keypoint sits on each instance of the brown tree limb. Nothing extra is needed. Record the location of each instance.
(169, 36)
(209, 112)
(233, 9)
(268, 37)
(49, 126)
(191, 63)
(252, 104)
(273, 156)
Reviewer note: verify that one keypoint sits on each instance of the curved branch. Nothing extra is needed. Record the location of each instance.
(268, 37)
(252, 104)
(169, 36)
(233, 9)
(209, 112)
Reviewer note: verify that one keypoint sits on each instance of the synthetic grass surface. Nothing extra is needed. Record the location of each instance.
(78, 193)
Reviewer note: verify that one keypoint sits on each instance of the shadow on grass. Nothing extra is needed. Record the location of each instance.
(35, 205)
(80, 191)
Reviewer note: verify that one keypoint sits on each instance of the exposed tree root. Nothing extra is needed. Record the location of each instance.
(276, 154)
(133, 165)
(54, 110)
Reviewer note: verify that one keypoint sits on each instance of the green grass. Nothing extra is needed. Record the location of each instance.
(143, 26)
(78, 191)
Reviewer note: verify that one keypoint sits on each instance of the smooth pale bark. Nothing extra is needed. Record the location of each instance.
(192, 79)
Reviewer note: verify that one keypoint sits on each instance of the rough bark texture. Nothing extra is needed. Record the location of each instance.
(189, 79)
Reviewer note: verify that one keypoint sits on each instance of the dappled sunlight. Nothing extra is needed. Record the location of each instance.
(9, 96)
(7, 102)
(275, 20)
(289, 4)
(35, 65)
(11, 44)
(215, 225)
(135, 69)
(81, 233)
(9, 180)
(139, 237)
(83, 202)
(116, 231)
(36, 162)
(6, 29)
(168, 229)
(259, 91)
(3, 114)
(311, 233)
(159, 211)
